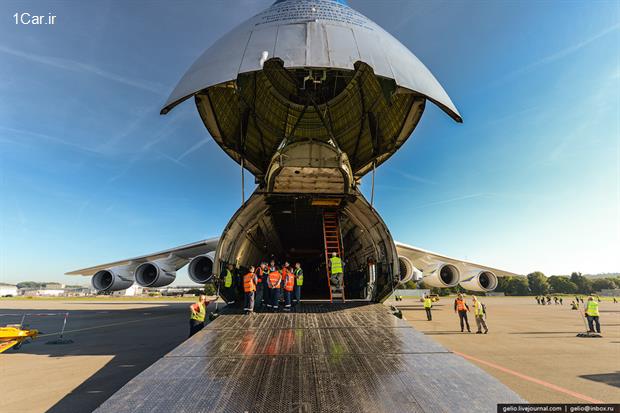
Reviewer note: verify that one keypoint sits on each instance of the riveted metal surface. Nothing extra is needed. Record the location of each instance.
(343, 358)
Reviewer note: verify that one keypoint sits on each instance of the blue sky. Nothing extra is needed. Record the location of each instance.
(90, 172)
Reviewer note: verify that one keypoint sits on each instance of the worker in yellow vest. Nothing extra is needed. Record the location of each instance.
(198, 312)
(299, 282)
(462, 308)
(249, 288)
(479, 315)
(336, 271)
(227, 282)
(428, 304)
(592, 315)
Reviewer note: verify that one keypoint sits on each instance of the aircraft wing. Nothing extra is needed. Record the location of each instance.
(180, 255)
(422, 259)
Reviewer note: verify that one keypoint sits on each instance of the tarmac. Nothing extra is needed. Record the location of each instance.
(533, 349)
(112, 342)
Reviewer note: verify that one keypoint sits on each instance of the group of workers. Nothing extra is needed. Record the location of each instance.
(461, 307)
(266, 285)
(546, 300)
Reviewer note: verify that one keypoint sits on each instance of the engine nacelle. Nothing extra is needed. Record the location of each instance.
(442, 276)
(481, 281)
(151, 274)
(200, 269)
(111, 280)
(407, 270)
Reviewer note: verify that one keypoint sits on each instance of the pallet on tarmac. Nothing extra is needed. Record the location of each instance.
(324, 358)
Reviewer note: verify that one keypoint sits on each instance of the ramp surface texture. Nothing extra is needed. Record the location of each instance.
(323, 358)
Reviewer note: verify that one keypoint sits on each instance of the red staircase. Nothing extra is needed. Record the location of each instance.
(333, 243)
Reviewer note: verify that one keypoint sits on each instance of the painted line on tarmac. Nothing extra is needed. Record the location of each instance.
(532, 379)
(107, 325)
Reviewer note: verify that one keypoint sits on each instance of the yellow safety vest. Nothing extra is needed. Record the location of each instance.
(478, 310)
(428, 303)
(228, 279)
(200, 314)
(299, 274)
(592, 308)
(336, 265)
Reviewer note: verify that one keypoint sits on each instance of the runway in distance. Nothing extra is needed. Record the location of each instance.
(309, 96)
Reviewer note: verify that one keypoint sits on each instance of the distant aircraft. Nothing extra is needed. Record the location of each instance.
(309, 96)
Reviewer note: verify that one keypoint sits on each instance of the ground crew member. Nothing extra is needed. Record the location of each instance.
(275, 279)
(261, 282)
(299, 281)
(461, 307)
(336, 271)
(249, 288)
(198, 311)
(286, 269)
(428, 304)
(592, 315)
(288, 279)
(227, 279)
(479, 315)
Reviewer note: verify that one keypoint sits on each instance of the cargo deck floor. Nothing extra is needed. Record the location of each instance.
(324, 358)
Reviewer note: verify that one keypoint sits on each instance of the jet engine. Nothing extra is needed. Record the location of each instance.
(407, 270)
(442, 276)
(111, 280)
(153, 274)
(200, 268)
(481, 281)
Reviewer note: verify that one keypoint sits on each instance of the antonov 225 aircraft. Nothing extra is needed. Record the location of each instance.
(309, 96)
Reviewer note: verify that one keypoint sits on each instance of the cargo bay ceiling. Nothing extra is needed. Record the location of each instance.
(310, 70)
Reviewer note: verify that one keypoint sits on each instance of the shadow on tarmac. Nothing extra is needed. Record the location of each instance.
(136, 338)
(612, 379)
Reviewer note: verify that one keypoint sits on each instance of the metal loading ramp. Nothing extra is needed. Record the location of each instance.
(324, 358)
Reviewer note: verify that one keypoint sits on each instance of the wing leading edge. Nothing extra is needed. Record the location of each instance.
(181, 256)
(422, 259)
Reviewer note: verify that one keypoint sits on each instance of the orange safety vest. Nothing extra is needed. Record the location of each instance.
(289, 281)
(274, 279)
(460, 305)
(248, 283)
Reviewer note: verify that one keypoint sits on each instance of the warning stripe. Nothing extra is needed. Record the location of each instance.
(532, 379)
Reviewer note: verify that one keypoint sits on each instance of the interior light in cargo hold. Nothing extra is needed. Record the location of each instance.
(326, 202)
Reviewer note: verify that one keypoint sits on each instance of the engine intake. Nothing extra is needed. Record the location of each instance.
(442, 276)
(150, 274)
(109, 280)
(200, 268)
(407, 270)
(481, 281)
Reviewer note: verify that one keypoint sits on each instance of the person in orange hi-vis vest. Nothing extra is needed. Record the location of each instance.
(461, 307)
(288, 280)
(275, 279)
(249, 288)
